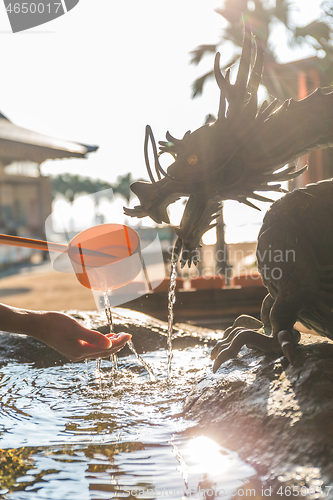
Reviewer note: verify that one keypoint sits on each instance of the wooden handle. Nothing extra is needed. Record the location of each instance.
(47, 246)
(18, 241)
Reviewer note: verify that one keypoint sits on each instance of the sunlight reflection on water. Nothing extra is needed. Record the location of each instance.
(67, 432)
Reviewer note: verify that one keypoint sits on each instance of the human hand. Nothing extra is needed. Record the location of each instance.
(64, 334)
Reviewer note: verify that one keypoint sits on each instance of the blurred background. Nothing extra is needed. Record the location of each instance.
(77, 93)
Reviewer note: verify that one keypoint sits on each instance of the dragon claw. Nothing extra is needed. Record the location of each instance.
(223, 356)
(235, 158)
(237, 336)
(286, 343)
(248, 331)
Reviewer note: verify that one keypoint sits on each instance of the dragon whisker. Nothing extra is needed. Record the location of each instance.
(245, 151)
(149, 135)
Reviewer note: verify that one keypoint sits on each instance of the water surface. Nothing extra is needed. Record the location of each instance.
(70, 433)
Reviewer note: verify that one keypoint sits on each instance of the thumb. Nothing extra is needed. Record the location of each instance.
(95, 338)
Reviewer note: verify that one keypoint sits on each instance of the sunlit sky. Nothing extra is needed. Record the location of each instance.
(104, 70)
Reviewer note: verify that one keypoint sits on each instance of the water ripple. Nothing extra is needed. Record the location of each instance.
(78, 433)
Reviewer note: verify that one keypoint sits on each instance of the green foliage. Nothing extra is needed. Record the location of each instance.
(263, 16)
(327, 7)
(71, 185)
(14, 463)
(17, 470)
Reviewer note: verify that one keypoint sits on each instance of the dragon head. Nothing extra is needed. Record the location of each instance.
(248, 149)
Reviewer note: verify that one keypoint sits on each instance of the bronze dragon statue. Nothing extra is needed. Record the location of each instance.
(244, 152)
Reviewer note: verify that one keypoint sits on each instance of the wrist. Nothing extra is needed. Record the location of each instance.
(23, 321)
(36, 324)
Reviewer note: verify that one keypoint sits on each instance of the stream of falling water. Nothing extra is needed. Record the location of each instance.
(171, 301)
(114, 357)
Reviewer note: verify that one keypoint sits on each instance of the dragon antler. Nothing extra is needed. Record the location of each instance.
(242, 153)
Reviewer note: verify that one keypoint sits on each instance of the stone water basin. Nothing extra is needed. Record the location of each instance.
(69, 431)
(257, 428)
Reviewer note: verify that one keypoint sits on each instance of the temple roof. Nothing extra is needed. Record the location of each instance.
(21, 144)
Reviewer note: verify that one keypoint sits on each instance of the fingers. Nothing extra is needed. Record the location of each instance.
(85, 350)
(118, 340)
(94, 338)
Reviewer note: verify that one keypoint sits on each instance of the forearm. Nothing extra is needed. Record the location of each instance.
(24, 321)
(61, 332)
